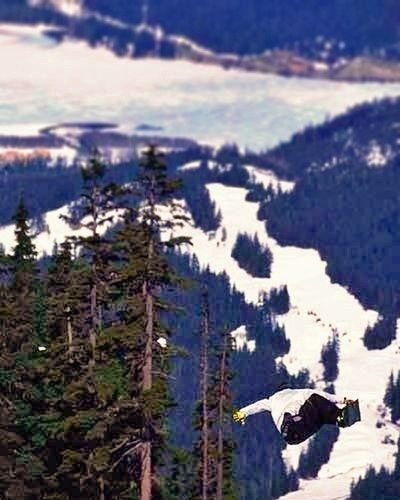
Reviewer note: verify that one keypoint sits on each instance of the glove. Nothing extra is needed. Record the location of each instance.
(239, 417)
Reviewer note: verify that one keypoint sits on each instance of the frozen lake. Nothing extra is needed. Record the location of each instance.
(42, 83)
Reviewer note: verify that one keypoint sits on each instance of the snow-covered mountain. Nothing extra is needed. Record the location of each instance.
(318, 309)
(215, 106)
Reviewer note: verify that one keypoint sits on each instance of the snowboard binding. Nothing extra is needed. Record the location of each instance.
(350, 414)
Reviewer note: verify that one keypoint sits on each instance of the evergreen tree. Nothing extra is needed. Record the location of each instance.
(5, 305)
(97, 202)
(252, 256)
(318, 452)
(202, 425)
(381, 334)
(39, 319)
(202, 208)
(330, 359)
(392, 397)
(19, 363)
(221, 410)
(389, 393)
(180, 475)
(68, 289)
(156, 190)
(279, 300)
(214, 447)
(23, 263)
(382, 485)
(65, 417)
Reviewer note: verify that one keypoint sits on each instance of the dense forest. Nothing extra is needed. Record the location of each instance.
(344, 205)
(83, 370)
(351, 216)
(349, 139)
(95, 392)
(381, 485)
(326, 31)
(318, 29)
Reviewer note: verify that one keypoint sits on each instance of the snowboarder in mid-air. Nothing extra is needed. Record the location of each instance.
(300, 413)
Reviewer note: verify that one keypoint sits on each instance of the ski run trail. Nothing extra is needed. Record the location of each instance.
(318, 309)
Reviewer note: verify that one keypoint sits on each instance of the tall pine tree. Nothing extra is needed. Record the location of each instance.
(157, 193)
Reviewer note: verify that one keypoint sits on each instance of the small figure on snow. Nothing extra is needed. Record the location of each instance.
(300, 413)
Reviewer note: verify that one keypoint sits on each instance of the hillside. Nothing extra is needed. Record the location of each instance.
(317, 218)
(323, 29)
(367, 135)
(345, 202)
(308, 326)
(266, 37)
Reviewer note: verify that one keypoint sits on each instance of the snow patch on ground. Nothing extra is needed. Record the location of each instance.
(268, 178)
(57, 230)
(192, 165)
(68, 7)
(240, 339)
(376, 157)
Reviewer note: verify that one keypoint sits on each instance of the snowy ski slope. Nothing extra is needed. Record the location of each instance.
(318, 308)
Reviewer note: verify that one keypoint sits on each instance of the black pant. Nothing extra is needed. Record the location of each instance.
(313, 414)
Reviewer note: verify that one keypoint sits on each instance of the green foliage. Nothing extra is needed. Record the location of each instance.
(39, 318)
(7, 377)
(71, 461)
(37, 428)
(111, 380)
(101, 457)
(47, 391)
(179, 481)
(25, 458)
(24, 252)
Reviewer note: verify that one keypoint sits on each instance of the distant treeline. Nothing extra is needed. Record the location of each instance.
(338, 27)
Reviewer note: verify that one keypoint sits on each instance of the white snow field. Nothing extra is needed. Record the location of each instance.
(318, 309)
(45, 83)
(56, 231)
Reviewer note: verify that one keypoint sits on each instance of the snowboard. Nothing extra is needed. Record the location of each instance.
(350, 414)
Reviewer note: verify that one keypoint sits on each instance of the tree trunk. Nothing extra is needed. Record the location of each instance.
(145, 479)
(101, 486)
(221, 400)
(148, 353)
(204, 391)
(93, 326)
(69, 334)
(146, 465)
(93, 290)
